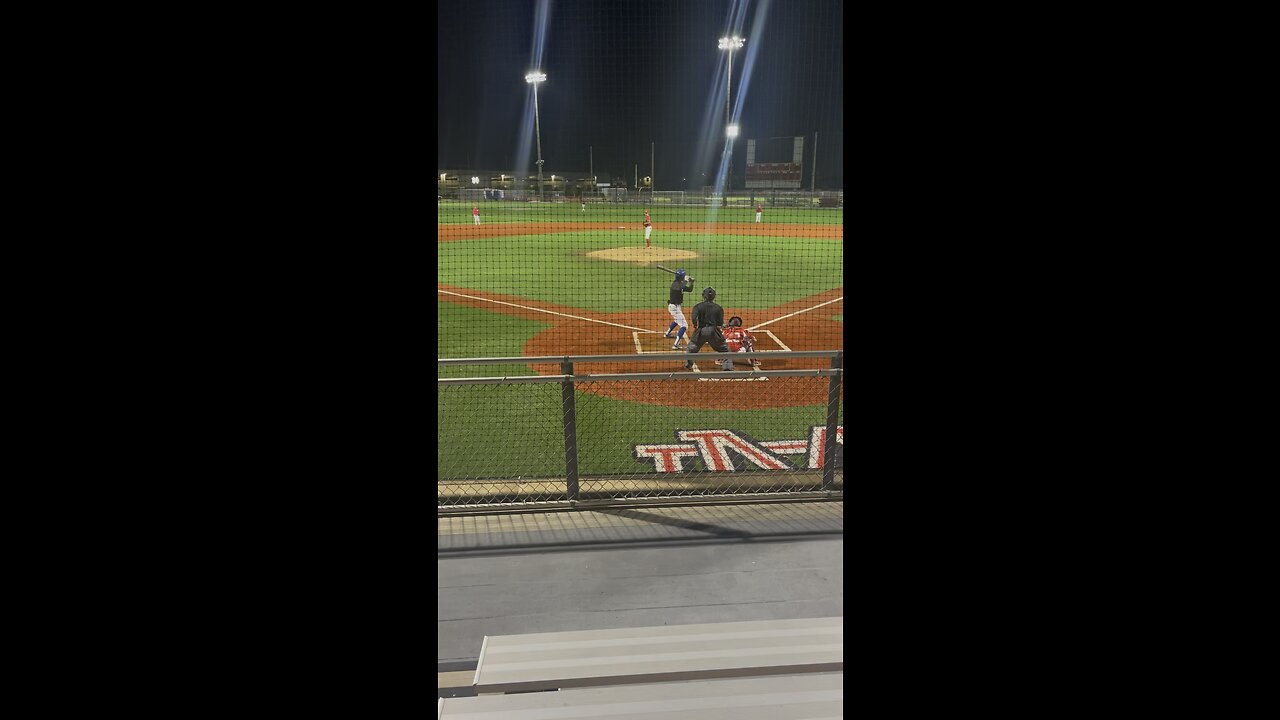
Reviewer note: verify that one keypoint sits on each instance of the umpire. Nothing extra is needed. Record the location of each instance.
(708, 318)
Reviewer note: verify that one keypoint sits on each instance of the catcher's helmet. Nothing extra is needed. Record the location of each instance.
(735, 321)
(679, 274)
(709, 293)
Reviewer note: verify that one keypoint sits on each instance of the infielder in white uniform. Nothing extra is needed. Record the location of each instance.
(648, 228)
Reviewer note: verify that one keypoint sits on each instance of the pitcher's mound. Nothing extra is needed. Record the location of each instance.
(639, 254)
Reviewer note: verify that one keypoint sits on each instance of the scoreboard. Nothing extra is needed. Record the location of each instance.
(775, 162)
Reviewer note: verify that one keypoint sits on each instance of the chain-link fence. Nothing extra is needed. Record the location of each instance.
(579, 431)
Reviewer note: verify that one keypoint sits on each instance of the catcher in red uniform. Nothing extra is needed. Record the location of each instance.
(739, 339)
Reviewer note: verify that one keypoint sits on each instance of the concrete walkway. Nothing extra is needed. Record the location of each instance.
(585, 570)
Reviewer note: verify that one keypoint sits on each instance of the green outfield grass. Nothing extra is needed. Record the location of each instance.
(502, 336)
(748, 271)
(456, 213)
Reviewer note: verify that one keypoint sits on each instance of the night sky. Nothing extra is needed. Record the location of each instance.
(622, 73)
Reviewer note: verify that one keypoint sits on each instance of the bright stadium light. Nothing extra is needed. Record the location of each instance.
(534, 78)
(441, 176)
(732, 131)
(475, 180)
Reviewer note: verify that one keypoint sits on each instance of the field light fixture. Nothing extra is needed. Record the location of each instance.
(535, 77)
(732, 131)
(727, 43)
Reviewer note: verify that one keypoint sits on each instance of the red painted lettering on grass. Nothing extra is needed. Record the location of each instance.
(787, 447)
(715, 447)
(666, 458)
(818, 444)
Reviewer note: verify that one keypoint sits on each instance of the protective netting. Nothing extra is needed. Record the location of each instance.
(584, 431)
(625, 104)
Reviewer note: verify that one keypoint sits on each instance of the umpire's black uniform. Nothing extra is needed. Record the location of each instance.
(708, 318)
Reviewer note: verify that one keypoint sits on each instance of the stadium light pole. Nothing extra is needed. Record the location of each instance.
(730, 133)
(729, 43)
(534, 78)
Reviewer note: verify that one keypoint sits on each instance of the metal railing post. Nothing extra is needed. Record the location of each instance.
(570, 416)
(833, 413)
(439, 440)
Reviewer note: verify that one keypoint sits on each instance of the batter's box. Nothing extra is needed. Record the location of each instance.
(655, 343)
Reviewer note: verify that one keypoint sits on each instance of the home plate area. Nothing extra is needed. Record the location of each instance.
(766, 341)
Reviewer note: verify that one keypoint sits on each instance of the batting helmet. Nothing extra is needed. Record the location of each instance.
(709, 293)
(679, 274)
(735, 321)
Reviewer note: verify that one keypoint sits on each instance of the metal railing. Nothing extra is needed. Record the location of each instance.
(577, 433)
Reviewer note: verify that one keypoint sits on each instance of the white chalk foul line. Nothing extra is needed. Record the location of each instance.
(784, 317)
(775, 339)
(549, 312)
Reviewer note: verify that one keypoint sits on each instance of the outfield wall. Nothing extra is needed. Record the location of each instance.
(691, 198)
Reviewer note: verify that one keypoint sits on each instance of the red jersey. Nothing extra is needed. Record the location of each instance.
(475, 211)
(758, 209)
(738, 338)
(646, 220)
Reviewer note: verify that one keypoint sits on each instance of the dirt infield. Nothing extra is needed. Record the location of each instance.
(446, 233)
(642, 254)
(575, 331)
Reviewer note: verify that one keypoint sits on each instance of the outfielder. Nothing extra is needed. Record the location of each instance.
(740, 339)
(475, 214)
(707, 319)
(675, 299)
(648, 228)
(759, 212)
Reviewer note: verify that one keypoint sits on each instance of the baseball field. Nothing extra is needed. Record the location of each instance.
(549, 279)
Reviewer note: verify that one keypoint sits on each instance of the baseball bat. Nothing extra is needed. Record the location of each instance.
(673, 272)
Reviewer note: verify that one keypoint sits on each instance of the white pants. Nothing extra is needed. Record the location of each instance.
(476, 218)
(648, 229)
(677, 315)
(757, 217)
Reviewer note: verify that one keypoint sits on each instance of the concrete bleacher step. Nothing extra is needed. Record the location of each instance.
(547, 661)
(815, 696)
(456, 683)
